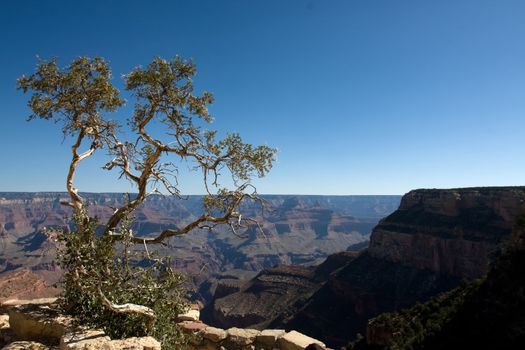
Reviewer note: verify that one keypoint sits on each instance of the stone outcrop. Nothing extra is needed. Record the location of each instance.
(296, 341)
(93, 339)
(261, 299)
(202, 336)
(38, 325)
(190, 315)
(485, 313)
(365, 287)
(38, 322)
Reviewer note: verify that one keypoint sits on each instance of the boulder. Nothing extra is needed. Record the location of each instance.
(240, 336)
(296, 341)
(214, 334)
(190, 315)
(4, 321)
(192, 326)
(40, 322)
(268, 337)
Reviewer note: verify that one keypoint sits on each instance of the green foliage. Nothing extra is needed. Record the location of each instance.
(106, 271)
(166, 84)
(164, 90)
(410, 328)
(124, 275)
(75, 95)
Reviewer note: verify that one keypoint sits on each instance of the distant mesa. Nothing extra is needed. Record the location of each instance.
(296, 230)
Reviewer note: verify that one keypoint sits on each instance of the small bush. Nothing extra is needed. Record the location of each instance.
(124, 274)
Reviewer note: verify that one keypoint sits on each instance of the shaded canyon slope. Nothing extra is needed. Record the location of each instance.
(485, 313)
(433, 241)
(296, 230)
(269, 295)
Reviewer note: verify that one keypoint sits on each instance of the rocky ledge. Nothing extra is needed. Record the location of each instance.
(37, 325)
(203, 336)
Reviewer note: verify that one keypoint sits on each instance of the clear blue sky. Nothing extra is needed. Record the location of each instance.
(360, 96)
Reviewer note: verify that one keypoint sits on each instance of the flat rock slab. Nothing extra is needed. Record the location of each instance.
(214, 334)
(8, 304)
(268, 337)
(136, 343)
(39, 322)
(26, 345)
(190, 315)
(17, 302)
(94, 339)
(296, 341)
(192, 326)
(83, 340)
(241, 336)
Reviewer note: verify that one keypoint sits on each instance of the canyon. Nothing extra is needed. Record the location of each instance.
(434, 241)
(322, 265)
(295, 230)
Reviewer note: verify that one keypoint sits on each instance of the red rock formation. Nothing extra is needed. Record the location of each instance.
(302, 230)
(24, 284)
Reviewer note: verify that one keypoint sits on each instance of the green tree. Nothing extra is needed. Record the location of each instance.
(81, 97)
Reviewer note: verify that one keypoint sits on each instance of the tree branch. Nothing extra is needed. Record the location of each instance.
(144, 311)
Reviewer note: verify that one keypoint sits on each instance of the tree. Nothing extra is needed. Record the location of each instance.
(81, 96)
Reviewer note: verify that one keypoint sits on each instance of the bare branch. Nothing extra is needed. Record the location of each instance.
(144, 311)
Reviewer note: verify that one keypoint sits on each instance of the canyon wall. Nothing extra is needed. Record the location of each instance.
(448, 231)
(429, 245)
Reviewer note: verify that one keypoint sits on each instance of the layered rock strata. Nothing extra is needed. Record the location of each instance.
(433, 241)
(295, 230)
(448, 231)
(257, 303)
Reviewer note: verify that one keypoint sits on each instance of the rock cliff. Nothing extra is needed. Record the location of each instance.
(486, 313)
(433, 241)
(448, 231)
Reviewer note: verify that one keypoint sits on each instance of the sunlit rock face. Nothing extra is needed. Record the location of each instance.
(448, 231)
